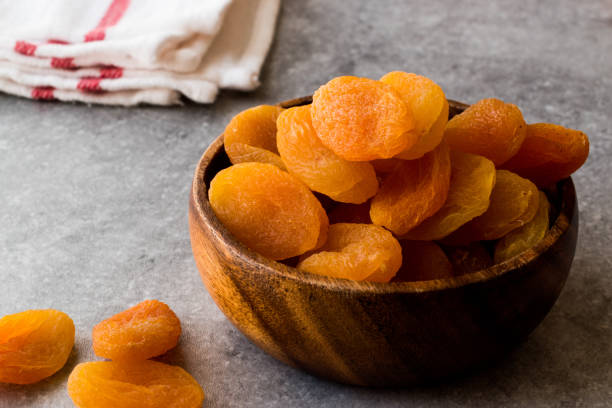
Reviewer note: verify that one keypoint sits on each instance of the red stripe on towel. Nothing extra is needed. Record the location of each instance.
(111, 72)
(89, 85)
(63, 63)
(60, 42)
(43, 92)
(25, 48)
(113, 14)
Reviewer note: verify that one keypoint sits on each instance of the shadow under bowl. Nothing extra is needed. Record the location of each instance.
(379, 334)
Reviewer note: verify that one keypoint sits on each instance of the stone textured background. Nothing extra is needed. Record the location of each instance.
(93, 200)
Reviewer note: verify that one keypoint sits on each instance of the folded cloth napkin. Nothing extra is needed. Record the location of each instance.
(133, 51)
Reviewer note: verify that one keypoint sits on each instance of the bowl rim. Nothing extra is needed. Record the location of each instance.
(234, 249)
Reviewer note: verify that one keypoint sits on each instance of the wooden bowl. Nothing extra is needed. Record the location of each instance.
(378, 334)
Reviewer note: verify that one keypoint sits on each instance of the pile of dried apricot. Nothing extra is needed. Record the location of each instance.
(35, 344)
(129, 339)
(372, 180)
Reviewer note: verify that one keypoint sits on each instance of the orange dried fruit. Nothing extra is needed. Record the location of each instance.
(491, 128)
(251, 136)
(422, 261)
(429, 108)
(357, 252)
(323, 226)
(385, 166)
(471, 183)
(146, 330)
(243, 153)
(255, 127)
(514, 202)
(360, 119)
(470, 258)
(138, 384)
(34, 345)
(432, 139)
(525, 237)
(549, 153)
(353, 213)
(317, 166)
(413, 192)
(267, 209)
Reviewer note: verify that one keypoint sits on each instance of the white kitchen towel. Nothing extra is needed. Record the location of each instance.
(148, 34)
(225, 49)
(154, 96)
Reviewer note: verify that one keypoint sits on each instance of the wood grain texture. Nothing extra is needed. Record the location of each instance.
(379, 334)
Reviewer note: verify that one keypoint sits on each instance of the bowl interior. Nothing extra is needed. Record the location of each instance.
(562, 198)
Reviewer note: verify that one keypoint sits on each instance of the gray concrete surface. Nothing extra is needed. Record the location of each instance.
(93, 200)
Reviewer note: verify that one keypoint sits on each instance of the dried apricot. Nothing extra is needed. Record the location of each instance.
(385, 166)
(470, 258)
(471, 183)
(514, 202)
(429, 107)
(413, 192)
(422, 261)
(317, 166)
(267, 209)
(491, 128)
(138, 384)
(360, 119)
(34, 345)
(141, 332)
(357, 252)
(525, 237)
(323, 225)
(251, 136)
(432, 139)
(549, 153)
(243, 153)
(354, 213)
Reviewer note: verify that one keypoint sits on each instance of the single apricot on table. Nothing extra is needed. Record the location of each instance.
(146, 330)
(34, 345)
(137, 384)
